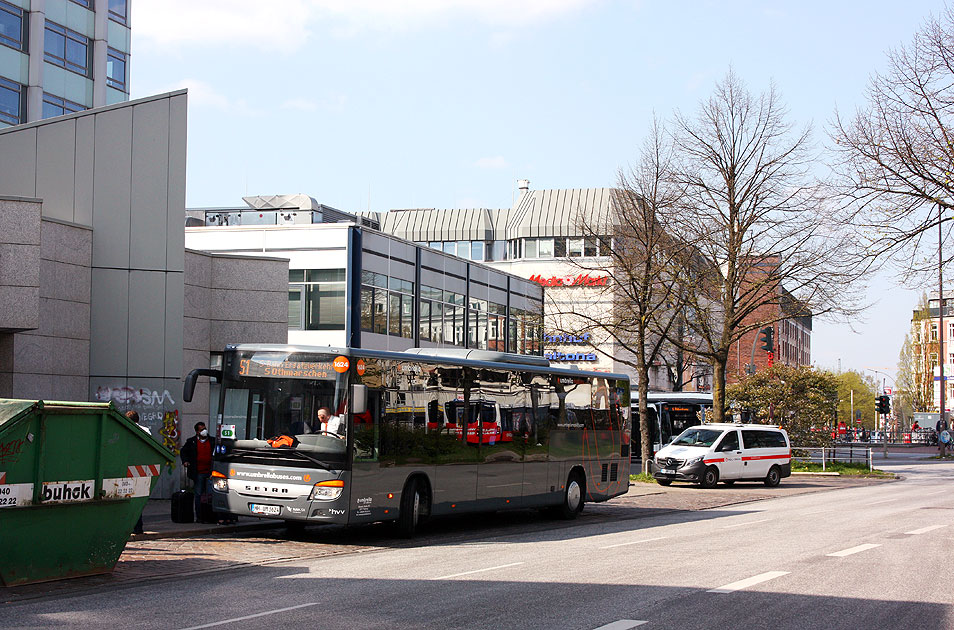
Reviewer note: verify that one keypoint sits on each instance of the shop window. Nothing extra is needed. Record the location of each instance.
(575, 248)
(530, 247)
(545, 247)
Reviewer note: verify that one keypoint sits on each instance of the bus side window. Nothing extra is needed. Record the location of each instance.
(367, 428)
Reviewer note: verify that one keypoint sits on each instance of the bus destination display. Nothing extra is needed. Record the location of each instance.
(281, 368)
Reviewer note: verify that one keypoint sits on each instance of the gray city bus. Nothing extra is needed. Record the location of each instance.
(412, 434)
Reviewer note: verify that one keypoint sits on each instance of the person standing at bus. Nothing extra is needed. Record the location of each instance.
(196, 456)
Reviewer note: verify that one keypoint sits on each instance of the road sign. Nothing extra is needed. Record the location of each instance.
(887, 390)
(858, 415)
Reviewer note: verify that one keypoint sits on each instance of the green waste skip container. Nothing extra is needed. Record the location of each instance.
(74, 479)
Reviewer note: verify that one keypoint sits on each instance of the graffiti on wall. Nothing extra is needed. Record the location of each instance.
(157, 410)
(170, 430)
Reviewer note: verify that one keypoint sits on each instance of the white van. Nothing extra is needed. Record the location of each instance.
(710, 453)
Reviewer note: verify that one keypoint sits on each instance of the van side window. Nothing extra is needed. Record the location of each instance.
(730, 442)
(763, 439)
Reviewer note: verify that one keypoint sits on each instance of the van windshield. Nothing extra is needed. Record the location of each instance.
(697, 437)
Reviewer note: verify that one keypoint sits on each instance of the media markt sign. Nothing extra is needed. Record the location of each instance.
(581, 280)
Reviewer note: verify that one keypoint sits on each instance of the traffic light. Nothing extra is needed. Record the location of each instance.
(883, 404)
(766, 336)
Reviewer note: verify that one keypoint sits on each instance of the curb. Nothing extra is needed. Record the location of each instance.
(817, 474)
(210, 529)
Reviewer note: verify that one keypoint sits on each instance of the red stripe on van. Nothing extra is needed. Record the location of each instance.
(748, 459)
(713, 461)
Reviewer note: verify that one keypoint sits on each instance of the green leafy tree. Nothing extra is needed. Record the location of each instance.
(802, 400)
(865, 389)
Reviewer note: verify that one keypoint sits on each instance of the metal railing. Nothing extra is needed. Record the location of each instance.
(826, 455)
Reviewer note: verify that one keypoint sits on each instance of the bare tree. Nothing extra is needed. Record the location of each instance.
(896, 155)
(755, 224)
(641, 290)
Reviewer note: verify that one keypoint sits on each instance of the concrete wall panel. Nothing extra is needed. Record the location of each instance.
(147, 294)
(83, 173)
(173, 313)
(19, 308)
(109, 322)
(176, 185)
(19, 265)
(112, 188)
(149, 207)
(55, 153)
(18, 163)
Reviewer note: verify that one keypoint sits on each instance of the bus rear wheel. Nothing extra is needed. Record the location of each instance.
(413, 507)
(572, 497)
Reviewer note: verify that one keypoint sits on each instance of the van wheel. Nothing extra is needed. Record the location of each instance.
(773, 477)
(710, 477)
(572, 497)
(413, 504)
(664, 482)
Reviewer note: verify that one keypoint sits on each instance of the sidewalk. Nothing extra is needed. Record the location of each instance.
(157, 523)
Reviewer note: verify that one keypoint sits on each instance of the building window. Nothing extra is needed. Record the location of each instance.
(116, 69)
(11, 102)
(316, 299)
(934, 331)
(387, 305)
(118, 11)
(441, 316)
(56, 106)
(12, 26)
(66, 48)
(84, 3)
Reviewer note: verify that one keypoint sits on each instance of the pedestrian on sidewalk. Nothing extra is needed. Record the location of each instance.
(939, 427)
(196, 456)
(133, 415)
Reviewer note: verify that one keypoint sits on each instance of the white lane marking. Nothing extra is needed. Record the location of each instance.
(848, 552)
(622, 624)
(453, 575)
(256, 615)
(932, 494)
(634, 542)
(747, 522)
(924, 530)
(882, 501)
(752, 581)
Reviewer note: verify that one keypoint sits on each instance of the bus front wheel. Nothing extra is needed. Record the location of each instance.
(572, 497)
(412, 508)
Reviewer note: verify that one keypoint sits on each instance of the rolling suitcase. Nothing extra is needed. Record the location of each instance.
(206, 514)
(182, 507)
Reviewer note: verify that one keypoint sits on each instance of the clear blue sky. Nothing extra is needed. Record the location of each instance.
(445, 103)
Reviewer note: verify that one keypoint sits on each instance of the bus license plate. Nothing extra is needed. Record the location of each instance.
(268, 510)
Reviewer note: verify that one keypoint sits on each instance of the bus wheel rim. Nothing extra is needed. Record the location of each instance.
(573, 495)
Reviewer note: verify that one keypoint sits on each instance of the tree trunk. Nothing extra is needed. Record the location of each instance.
(645, 434)
(718, 390)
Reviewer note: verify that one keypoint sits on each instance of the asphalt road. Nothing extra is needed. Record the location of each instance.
(865, 556)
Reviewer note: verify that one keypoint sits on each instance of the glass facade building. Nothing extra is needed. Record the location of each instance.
(62, 56)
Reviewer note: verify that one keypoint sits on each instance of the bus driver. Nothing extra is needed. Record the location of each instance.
(327, 422)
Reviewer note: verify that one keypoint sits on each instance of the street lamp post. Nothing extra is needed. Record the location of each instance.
(940, 315)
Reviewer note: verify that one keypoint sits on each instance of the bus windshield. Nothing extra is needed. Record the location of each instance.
(292, 419)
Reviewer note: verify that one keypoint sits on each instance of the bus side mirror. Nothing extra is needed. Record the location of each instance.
(188, 387)
(359, 399)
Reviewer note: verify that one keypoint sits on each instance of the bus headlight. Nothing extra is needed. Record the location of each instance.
(219, 481)
(327, 490)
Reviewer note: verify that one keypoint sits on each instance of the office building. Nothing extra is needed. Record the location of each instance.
(62, 56)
